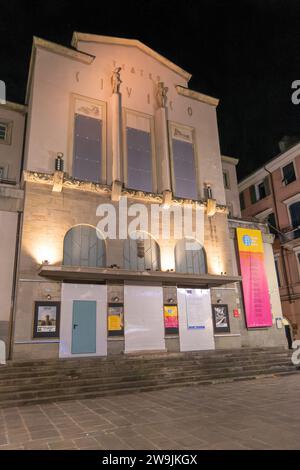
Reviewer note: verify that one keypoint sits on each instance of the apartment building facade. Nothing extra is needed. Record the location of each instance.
(272, 194)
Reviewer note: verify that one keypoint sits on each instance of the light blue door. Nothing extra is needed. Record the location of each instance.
(84, 327)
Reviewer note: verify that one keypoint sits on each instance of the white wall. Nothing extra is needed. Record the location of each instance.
(8, 230)
(143, 317)
(232, 194)
(71, 292)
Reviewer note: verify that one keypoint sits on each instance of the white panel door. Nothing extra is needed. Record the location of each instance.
(143, 318)
(82, 292)
(195, 320)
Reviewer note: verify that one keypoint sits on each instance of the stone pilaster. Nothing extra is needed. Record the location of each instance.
(163, 148)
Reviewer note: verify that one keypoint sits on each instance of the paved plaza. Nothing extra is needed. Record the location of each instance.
(257, 414)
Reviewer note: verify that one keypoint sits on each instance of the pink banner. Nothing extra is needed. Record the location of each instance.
(255, 289)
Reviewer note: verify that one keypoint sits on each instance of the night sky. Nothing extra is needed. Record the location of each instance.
(246, 52)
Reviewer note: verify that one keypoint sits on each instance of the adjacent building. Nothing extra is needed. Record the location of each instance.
(272, 194)
(117, 152)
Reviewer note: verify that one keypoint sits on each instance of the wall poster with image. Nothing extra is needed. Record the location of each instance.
(221, 318)
(46, 319)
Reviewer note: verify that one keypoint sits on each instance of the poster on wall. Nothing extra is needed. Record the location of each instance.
(115, 319)
(254, 279)
(171, 319)
(193, 312)
(46, 319)
(221, 318)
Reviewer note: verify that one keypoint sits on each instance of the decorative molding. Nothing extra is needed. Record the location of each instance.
(230, 160)
(10, 106)
(97, 188)
(195, 95)
(85, 37)
(83, 57)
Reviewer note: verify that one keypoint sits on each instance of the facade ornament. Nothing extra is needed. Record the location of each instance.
(161, 94)
(116, 80)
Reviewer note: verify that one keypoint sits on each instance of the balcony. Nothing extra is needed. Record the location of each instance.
(289, 234)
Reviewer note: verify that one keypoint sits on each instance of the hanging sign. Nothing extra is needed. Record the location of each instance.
(254, 280)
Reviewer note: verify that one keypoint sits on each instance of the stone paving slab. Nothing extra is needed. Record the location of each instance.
(258, 414)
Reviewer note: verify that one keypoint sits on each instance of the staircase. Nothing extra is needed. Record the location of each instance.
(24, 383)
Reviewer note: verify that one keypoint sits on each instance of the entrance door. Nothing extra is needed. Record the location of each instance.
(84, 327)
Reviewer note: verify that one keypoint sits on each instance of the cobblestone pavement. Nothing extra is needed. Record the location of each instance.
(258, 414)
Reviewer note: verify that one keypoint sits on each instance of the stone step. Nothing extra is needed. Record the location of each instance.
(110, 382)
(63, 377)
(102, 365)
(13, 401)
(249, 352)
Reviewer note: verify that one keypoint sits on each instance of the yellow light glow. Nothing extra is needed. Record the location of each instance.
(46, 252)
(167, 258)
(217, 265)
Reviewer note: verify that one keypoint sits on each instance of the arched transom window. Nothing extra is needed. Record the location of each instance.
(83, 246)
(142, 253)
(190, 257)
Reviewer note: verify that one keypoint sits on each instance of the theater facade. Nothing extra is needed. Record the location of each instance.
(130, 238)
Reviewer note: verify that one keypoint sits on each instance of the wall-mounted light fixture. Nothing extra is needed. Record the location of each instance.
(59, 162)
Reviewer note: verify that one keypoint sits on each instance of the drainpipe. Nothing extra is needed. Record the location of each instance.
(281, 247)
(14, 288)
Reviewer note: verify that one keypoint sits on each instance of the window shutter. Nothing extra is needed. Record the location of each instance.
(267, 185)
(253, 194)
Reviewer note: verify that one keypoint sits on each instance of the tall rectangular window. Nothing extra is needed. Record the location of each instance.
(276, 260)
(3, 131)
(87, 161)
(298, 261)
(139, 168)
(272, 223)
(184, 164)
(226, 180)
(289, 174)
(242, 200)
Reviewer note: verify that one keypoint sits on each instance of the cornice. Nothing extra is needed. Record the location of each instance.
(231, 160)
(16, 107)
(105, 190)
(195, 95)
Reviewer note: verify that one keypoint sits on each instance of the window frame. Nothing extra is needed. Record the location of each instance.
(8, 134)
(297, 253)
(282, 174)
(289, 212)
(126, 111)
(70, 157)
(226, 179)
(242, 199)
(278, 270)
(171, 125)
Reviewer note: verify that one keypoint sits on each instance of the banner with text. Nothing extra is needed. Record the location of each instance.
(254, 280)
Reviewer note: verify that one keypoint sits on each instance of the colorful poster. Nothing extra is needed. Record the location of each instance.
(254, 280)
(115, 322)
(171, 316)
